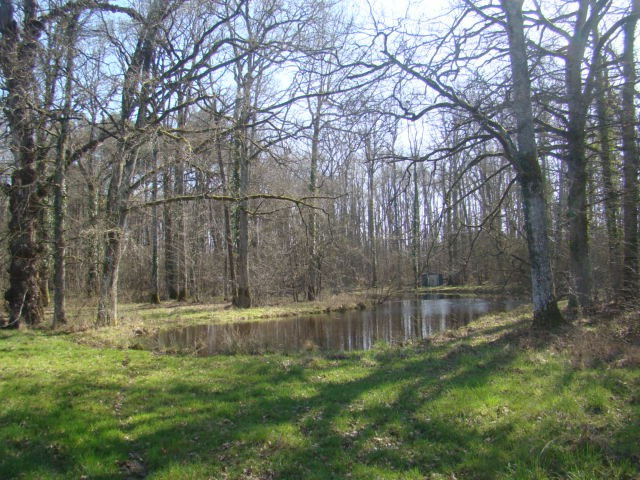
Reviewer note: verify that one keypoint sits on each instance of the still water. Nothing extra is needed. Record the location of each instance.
(394, 321)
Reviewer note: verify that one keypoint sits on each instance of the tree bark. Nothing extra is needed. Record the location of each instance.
(611, 207)
(59, 219)
(415, 230)
(545, 308)
(179, 239)
(242, 138)
(371, 236)
(18, 50)
(170, 253)
(108, 303)
(579, 259)
(60, 180)
(242, 297)
(93, 240)
(630, 276)
(182, 273)
(313, 271)
(155, 263)
(228, 237)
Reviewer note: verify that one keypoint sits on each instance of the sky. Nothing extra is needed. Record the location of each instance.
(392, 10)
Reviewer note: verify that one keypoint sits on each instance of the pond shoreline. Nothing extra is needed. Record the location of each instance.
(145, 320)
(138, 321)
(398, 320)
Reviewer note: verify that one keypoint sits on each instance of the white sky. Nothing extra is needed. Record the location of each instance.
(392, 10)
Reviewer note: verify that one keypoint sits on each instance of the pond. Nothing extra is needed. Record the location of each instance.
(394, 321)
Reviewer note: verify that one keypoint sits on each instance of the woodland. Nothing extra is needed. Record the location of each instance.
(168, 161)
(251, 150)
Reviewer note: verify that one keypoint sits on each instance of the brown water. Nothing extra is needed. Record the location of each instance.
(392, 322)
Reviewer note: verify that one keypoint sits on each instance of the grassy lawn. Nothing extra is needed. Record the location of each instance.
(488, 401)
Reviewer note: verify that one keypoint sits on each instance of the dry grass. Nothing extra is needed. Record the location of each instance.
(605, 338)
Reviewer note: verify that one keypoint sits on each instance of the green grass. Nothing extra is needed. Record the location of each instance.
(486, 402)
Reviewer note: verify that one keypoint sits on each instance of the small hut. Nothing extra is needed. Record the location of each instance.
(432, 279)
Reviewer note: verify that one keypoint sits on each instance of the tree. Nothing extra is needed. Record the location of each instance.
(63, 153)
(525, 159)
(18, 57)
(630, 274)
(522, 153)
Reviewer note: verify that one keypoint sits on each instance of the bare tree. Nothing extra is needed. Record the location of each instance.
(521, 153)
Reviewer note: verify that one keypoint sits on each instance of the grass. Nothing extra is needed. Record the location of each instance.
(490, 401)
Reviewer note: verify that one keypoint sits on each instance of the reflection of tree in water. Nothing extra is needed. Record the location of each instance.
(394, 321)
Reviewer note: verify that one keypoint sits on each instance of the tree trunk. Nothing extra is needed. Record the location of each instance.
(313, 272)
(611, 209)
(23, 296)
(228, 237)
(179, 237)
(60, 181)
(93, 240)
(579, 259)
(108, 303)
(155, 264)
(241, 146)
(415, 230)
(18, 50)
(243, 297)
(170, 260)
(44, 242)
(371, 237)
(59, 214)
(630, 275)
(545, 308)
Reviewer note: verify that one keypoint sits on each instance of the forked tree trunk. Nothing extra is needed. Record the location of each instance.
(108, 303)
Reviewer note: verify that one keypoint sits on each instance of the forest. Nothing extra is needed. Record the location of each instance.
(182, 163)
(202, 149)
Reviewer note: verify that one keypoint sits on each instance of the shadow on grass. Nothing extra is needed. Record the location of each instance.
(394, 413)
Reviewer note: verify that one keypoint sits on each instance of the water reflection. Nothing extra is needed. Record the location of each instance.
(392, 322)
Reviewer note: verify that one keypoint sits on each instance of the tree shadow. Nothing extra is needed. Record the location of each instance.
(396, 412)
